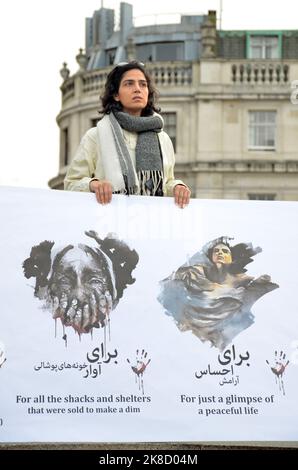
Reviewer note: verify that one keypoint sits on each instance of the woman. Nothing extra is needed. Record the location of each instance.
(212, 295)
(128, 152)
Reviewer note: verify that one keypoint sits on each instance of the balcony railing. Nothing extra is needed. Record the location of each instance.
(68, 89)
(168, 74)
(260, 72)
(165, 74)
(186, 74)
(95, 80)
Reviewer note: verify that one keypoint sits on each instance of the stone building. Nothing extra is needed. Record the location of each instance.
(228, 99)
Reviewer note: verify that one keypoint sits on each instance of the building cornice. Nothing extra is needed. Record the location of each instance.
(239, 166)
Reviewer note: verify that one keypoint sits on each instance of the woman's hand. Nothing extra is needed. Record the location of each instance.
(181, 195)
(103, 190)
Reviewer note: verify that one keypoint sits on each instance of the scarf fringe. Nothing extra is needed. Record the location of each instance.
(150, 182)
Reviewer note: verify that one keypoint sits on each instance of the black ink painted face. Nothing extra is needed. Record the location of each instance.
(81, 289)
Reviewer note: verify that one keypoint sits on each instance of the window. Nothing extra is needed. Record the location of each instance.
(170, 124)
(263, 47)
(110, 56)
(262, 130)
(169, 51)
(145, 52)
(160, 51)
(64, 146)
(262, 197)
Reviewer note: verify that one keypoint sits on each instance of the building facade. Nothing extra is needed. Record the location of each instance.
(228, 98)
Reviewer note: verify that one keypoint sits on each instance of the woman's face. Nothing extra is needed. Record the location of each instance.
(221, 254)
(133, 92)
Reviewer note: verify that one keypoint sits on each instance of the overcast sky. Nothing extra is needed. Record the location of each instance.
(37, 36)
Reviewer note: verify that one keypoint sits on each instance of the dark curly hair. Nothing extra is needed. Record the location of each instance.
(241, 254)
(112, 87)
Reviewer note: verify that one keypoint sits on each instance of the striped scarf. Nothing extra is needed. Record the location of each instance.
(149, 168)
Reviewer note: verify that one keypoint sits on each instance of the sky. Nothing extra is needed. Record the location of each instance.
(36, 37)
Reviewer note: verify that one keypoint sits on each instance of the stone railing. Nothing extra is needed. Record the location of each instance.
(184, 74)
(94, 81)
(171, 73)
(68, 89)
(164, 74)
(260, 72)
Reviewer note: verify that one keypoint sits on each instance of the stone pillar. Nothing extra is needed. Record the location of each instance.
(131, 51)
(208, 36)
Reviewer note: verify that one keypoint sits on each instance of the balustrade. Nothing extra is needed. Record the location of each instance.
(253, 72)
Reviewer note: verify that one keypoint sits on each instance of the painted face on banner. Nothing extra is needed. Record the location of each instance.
(81, 289)
(221, 254)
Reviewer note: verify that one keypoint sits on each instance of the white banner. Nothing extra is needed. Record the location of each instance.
(139, 321)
